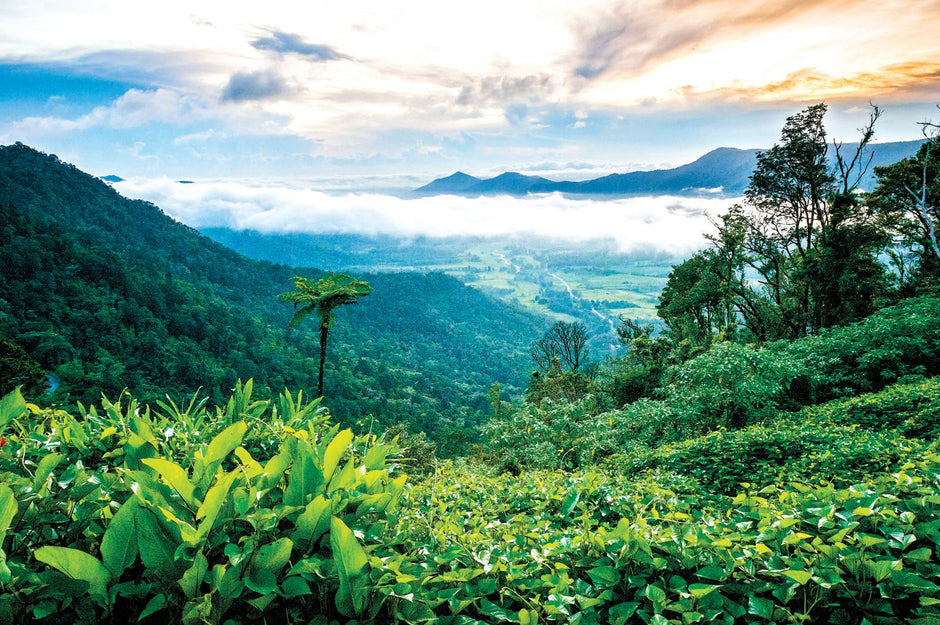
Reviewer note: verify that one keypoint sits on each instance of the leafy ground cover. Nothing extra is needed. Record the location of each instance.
(262, 510)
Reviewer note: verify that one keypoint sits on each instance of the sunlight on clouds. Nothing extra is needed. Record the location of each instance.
(670, 224)
(802, 52)
(349, 76)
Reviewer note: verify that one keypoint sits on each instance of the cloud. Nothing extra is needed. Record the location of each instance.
(500, 90)
(133, 109)
(286, 43)
(668, 224)
(264, 84)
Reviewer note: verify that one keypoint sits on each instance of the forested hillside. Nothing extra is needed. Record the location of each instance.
(106, 293)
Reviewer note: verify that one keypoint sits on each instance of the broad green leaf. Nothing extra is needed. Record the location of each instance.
(12, 406)
(528, 617)
(700, 590)
(334, 451)
(252, 467)
(712, 572)
(8, 508)
(571, 500)
(352, 566)
(314, 521)
(156, 543)
(225, 443)
(77, 565)
(273, 556)
(156, 603)
(375, 457)
(912, 580)
(501, 614)
(604, 576)
(275, 467)
(261, 603)
(212, 504)
(879, 569)
(176, 477)
(46, 465)
(801, 577)
(921, 555)
(267, 564)
(763, 608)
(655, 594)
(194, 575)
(6, 576)
(231, 584)
(295, 586)
(621, 612)
(119, 543)
(344, 479)
(305, 479)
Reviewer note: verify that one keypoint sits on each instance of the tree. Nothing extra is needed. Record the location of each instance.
(801, 253)
(907, 199)
(558, 355)
(641, 371)
(564, 342)
(322, 297)
(696, 302)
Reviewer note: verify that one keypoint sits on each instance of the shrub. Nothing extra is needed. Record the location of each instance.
(730, 385)
(895, 342)
(763, 455)
(912, 409)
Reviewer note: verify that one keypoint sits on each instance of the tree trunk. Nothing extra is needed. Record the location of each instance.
(324, 329)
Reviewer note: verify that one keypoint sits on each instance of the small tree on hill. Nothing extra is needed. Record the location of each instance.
(324, 295)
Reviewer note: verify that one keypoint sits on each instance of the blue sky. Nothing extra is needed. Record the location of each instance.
(322, 90)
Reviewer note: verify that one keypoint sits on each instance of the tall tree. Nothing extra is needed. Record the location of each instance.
(322, 297)
(562, 344)
(907, 198)
(802, 236)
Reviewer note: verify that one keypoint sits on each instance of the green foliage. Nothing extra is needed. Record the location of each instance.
(418, 454)
(800, 254)
(138, 516)
(17, 369)
(730, 385)
(895, 342)
(641, 371)
(911, 409)
(728, 461)
(592, 548)
(547, 435)
(907, 200)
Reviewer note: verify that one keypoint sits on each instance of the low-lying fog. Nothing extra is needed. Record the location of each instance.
(664, 223)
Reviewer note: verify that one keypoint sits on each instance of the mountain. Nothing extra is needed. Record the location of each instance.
(723, 170)
(106, 293)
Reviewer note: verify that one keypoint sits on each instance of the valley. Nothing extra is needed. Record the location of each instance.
(588, 281)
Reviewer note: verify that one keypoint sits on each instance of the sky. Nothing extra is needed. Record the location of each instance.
(371, 94)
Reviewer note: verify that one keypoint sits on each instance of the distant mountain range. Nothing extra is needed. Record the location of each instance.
(723, 171)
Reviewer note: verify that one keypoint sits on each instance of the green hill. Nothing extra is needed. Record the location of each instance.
(106, 293)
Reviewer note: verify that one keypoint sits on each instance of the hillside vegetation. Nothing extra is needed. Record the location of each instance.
(106, 293)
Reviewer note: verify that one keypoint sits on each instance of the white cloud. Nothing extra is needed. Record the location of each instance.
(133, 109)
(669, 224)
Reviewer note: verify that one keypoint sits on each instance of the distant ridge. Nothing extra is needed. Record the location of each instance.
(112, 178)
(722, 172)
